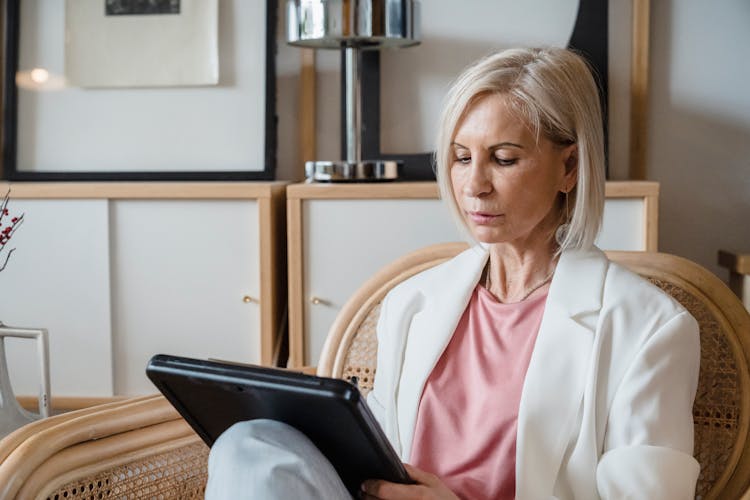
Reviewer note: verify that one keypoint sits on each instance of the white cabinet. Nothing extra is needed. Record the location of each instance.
(340, 235)
(119, 272)
(58, 278)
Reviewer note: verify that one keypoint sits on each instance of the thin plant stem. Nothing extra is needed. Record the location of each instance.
(7, 258)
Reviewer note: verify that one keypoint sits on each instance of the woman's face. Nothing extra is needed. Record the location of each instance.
(505, 183)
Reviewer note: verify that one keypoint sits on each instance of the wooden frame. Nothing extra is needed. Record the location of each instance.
(307, 89)
(271, 214)
(296, 193)
(67, 403)
(639, 71)
(9, 170)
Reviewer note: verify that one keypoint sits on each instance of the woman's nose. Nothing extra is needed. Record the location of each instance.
(477, 182)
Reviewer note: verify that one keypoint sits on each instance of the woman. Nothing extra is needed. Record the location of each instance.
(530, 366)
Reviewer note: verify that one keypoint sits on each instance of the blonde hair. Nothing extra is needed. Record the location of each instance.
(554, 91)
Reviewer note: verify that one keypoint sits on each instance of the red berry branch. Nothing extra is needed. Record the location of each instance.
(7, 230)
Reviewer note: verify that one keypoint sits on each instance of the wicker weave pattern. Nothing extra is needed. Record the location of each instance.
(179, 474)
(361, 358)
(716, 412)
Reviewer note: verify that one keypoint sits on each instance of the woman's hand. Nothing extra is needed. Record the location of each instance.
(427, 486)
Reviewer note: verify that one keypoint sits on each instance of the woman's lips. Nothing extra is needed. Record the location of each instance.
(483, 217)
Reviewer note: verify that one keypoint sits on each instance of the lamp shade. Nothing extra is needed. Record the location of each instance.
(362, 24)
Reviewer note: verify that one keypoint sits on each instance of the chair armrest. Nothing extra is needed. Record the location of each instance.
(136, 445)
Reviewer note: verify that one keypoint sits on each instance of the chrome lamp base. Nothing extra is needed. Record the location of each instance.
(345, 171)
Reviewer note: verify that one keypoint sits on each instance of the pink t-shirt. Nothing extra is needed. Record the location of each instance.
(467, 420)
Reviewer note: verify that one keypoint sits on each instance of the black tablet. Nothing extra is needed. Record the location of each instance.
(212, 396)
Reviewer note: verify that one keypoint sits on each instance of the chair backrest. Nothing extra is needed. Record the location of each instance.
(722, 406)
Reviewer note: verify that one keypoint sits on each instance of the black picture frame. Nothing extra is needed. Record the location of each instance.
(589, 38)
(11, 22)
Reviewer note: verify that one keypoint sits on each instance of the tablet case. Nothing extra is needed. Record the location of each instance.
(212, 396)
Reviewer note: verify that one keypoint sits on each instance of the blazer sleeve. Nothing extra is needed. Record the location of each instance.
(648, 442)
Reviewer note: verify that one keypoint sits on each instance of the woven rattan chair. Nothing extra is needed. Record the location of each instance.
(722, 406)
(136, 448)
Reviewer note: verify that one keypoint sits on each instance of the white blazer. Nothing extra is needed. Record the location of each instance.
(606, 407)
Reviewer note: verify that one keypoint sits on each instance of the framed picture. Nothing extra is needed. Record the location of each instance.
(454, 35)
(137, 43)
(139, 90)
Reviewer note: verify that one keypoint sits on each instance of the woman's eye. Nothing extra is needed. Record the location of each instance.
(505, 162)
(463, 159)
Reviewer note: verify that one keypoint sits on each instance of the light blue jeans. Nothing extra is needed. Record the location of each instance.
(266, 459)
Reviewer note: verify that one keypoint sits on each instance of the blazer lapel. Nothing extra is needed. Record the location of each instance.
(555, 381)
(446, 294)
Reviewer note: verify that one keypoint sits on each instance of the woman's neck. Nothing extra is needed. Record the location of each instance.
(514, 273)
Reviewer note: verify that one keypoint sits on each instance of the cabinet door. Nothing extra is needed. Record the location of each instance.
(58, 278)
(180, 270)
(347, 241)
(624, 225)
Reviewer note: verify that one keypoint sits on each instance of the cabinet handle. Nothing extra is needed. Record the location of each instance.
(247, 299)
(317, 301)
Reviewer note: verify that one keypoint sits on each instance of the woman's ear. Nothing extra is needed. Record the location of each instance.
(571, 157)
(571, 167)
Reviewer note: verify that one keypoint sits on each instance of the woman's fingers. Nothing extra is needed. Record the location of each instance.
(386, 490)
(427, 486)
(421, 476)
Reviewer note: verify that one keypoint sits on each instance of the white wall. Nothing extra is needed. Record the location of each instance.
(699, 134)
